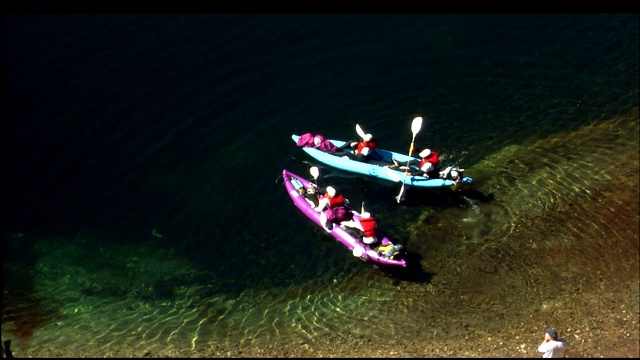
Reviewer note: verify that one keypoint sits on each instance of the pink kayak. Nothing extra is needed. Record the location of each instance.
(383, 252)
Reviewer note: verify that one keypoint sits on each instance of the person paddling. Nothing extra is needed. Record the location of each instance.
(333, 209)
(427, 165)
(363, 149)
(366, 227)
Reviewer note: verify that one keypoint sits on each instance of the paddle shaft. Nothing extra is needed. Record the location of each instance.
(416, 125)
(412, 143)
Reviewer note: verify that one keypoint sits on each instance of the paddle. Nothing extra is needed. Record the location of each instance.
(315, 173)
(360, 131)
(416, 125)
(396, 178)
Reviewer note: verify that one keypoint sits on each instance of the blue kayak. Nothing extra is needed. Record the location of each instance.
(378, 166)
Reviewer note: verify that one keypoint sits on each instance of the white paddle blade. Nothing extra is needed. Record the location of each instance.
(393, 175)
(314, 172)
(360, 132)
(416, 125)
(399, 197)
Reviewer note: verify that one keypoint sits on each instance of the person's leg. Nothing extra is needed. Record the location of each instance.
(325, 220)
(332, 218)
(344, 153)
(312, 197)
(347, 145)
(353, 232)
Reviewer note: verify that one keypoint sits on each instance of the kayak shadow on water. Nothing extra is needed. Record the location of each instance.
(443, 197)
(412, 273)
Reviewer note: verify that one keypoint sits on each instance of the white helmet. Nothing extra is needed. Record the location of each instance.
(425, 153)
(331, 191)
(368, 137)
(369, 240)
(454, 174)
(317, 141)
(365, 215)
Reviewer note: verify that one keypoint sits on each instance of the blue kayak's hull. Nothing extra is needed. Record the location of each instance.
(377, 169)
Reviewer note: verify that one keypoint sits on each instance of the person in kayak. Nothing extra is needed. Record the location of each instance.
(333, 208)
(362, 149)
(310, 193)
(365, 228)
(389, 250)
(316, 141)
(453, 173)
(427, 166)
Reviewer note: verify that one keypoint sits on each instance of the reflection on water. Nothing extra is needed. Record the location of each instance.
(552, 240)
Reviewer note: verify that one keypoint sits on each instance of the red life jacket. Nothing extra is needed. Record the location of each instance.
(363, 144)
(369, 226)
(431, 158)
(337, 200)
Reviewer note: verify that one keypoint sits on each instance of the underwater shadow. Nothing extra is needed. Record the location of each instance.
(413, 272)
(443, 198)
(23, 304)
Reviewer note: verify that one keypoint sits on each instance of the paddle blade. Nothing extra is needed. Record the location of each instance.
(416, 124)
(399, 197)
(393, 175)
(360, 132)
(314, 172)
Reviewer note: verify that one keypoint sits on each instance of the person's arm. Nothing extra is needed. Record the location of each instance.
(353, 224)
(544, 347)
(322, 204)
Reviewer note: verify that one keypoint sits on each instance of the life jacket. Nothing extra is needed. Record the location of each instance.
(335, 201)
(363, 144)
(369, 226)
(431, 158)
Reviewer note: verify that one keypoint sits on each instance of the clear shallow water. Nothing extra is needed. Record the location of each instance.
(121, 127)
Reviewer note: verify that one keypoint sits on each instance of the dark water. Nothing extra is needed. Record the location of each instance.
(142, 154)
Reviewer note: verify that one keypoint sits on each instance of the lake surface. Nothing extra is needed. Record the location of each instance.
(143, 204)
